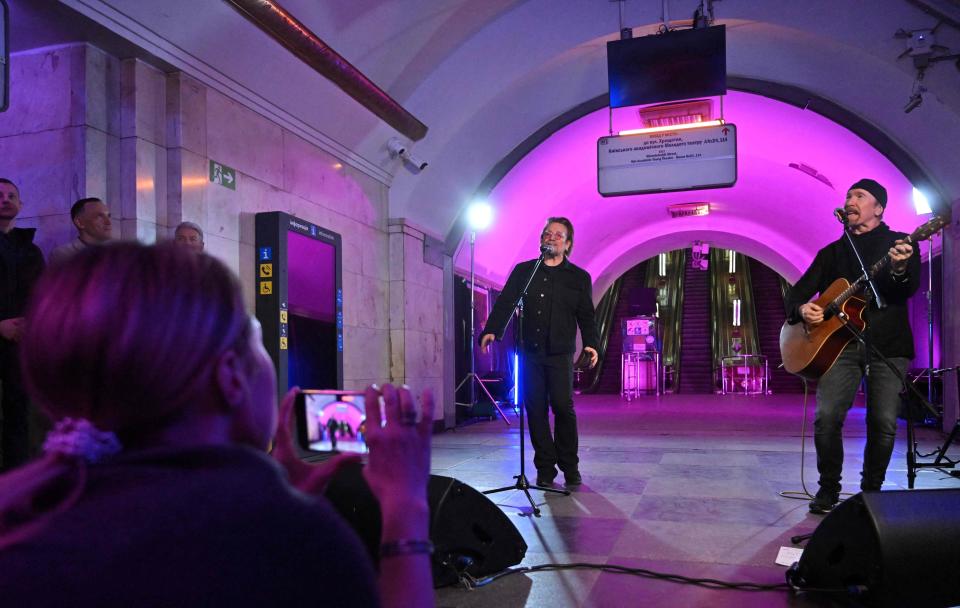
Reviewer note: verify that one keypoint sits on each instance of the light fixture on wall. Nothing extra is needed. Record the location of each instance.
(921, 203)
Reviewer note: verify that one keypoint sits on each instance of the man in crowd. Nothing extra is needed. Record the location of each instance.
(887, 329)
(189, 235)
(92, 220)
(21, 263)
(559, 300)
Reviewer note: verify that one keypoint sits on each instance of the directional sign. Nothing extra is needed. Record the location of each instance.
(223, 175)
(684, 159)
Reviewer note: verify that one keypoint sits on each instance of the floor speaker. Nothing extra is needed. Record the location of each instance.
(469, 533)
(902, 548)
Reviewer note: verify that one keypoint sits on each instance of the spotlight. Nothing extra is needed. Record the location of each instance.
(920, 202)
(915, 100)
(479, 215)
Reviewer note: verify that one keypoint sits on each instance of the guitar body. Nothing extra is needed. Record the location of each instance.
(810, 350)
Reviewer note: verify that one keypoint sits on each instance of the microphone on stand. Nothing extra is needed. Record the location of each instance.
(547, 249)
(841, 215)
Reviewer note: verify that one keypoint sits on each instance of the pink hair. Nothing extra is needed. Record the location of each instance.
(123, 335)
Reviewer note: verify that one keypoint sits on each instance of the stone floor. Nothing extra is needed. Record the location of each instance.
(684, 484)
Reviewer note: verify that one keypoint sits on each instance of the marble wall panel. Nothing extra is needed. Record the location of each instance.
(423, 310)
(366, 352)
(240, 138)
(102, 91)
(47, 166)
(374, 249)
(397, 354)
(53, 230)
(135, 230)
(102, 168)
(186, 113)
(143, 102)
(46, 90)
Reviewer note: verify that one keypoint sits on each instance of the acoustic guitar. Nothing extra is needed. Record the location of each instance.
(811, 350)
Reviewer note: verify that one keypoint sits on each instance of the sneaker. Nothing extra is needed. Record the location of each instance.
(824, 501)
(572, 478)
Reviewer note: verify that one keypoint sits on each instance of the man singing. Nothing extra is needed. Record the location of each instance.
(559, 299)
(888, 330)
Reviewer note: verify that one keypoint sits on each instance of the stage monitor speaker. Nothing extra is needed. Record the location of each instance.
(902, 547)
(469, 533)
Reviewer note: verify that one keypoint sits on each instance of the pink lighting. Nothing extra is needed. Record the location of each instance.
(774, 213)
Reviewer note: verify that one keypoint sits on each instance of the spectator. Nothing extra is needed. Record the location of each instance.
(92, 219)
(189, 235)
(20, 265)
(154, 489)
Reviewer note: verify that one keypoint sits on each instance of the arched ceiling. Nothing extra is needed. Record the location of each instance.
(774, 213)
(485, 76)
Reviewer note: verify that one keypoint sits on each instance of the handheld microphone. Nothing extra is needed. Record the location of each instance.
(841, 215)
(545, 249)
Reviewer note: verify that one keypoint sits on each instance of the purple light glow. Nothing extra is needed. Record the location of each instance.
(775, 214)
(311, 279)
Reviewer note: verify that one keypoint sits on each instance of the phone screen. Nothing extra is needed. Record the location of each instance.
(331, 421)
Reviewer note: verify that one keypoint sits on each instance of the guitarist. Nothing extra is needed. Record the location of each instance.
(888, 330)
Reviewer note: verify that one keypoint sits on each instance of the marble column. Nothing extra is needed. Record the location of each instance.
(416, 315)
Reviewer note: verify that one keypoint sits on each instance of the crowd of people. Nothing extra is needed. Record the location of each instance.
(169, 476)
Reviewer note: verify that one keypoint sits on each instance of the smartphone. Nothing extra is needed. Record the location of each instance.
(331, 421)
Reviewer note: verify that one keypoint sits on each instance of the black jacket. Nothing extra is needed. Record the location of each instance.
(21, 263)
(560, 299)
(887, 329)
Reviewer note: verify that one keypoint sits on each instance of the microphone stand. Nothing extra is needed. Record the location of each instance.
(522, 483)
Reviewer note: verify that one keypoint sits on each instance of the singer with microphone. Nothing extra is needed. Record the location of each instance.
(887, 329)
(559, 300)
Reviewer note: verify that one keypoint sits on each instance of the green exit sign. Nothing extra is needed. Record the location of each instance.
(223, 175)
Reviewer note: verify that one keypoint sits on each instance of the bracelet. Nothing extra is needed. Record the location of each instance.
(405, 546)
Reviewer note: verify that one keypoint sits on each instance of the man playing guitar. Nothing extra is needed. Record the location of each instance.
(887, 329)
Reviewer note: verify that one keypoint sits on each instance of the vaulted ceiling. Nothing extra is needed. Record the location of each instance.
(505, 87)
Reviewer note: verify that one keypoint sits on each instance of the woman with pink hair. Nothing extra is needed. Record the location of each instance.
(154, 488)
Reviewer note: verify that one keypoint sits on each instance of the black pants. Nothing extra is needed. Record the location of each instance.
(548, 382)
(15, 437)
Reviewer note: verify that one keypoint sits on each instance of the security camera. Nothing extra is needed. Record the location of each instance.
(414, 161)
(915, 100)
(396, 147)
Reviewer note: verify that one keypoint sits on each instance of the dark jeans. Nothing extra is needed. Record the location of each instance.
(548, 382)
(835, 393)
(15, 410)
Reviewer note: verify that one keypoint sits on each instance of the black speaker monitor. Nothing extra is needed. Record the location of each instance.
(901, 547)
(469, 533)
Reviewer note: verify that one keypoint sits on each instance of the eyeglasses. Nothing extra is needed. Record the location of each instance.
(547, 234)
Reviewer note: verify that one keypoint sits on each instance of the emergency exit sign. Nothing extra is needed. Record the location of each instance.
(223, 175)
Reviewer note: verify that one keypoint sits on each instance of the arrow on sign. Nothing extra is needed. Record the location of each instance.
(228, 178)
(725, 130)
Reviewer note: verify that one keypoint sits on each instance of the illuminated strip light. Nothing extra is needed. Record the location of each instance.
(692, 125)
(736, 313)
(733, 262)
(662, 263)
(516, 380)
